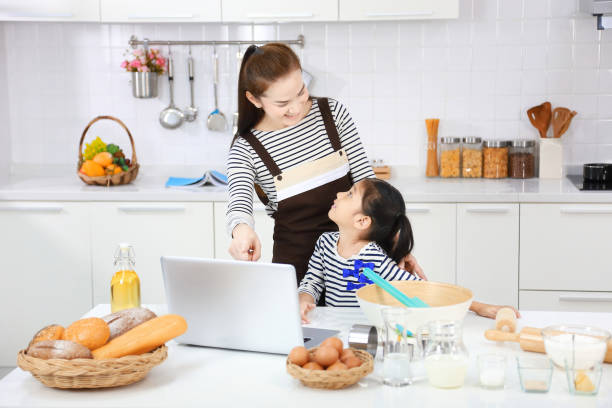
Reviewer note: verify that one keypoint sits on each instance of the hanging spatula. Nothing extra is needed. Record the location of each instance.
(561, 119)
(540, 116)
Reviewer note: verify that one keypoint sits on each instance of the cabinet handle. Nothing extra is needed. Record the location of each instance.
(142, 208)
(282, 15)
(487, 210)
(39, 15)
(585, 210)
(585, 298)
(418, 210)
(152, 17)
(405, 14)
(34, 208)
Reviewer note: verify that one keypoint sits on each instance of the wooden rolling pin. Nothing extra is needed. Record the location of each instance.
(530, 339)
(505, 320)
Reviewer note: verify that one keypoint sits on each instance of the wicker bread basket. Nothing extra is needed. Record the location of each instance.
(332, 380)
(90, 373)
(125, 177)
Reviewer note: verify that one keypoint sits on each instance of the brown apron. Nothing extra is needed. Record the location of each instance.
(305, 194)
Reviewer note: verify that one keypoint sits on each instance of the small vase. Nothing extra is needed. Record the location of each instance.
(144, 84)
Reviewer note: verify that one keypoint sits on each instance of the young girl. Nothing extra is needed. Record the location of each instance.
(372, 229)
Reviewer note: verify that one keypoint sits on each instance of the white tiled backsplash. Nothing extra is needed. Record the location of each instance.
(478, 74)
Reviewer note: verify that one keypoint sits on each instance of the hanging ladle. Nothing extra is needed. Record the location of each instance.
(171, 117)
(216, 119)
(191, 112)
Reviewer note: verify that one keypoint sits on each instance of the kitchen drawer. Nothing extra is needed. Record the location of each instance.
(365, 10)
(565, 301)
(278, 11)
(50, 10)
(145, 11)
(264, 227)
(566, 247)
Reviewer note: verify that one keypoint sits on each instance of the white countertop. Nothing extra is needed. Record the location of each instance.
(199, 376)
(149, 186)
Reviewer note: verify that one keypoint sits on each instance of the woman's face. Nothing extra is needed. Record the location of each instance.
(347, 205)
(285, 102)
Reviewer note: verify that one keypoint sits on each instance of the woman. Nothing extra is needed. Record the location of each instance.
(299, 151)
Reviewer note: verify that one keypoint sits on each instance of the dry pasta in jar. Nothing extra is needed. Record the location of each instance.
(471, 157)
(495, 155)
(450, 157)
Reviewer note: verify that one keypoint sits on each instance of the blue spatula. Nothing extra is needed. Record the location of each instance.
(392, 290)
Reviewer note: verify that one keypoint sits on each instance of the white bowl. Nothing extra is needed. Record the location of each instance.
(446, 301)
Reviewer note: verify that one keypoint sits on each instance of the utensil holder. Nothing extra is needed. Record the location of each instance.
(144, 84)
(551, 158)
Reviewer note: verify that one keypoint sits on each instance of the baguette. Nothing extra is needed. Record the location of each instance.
(143, 338)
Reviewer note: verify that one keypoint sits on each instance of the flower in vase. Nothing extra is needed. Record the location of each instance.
(140, 61)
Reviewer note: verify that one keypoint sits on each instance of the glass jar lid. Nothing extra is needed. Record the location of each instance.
(523, 143)
(447, 140)
(472, 140)
(496, 143)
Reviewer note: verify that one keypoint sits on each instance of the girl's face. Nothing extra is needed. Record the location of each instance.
(346, 209)
(285, 102)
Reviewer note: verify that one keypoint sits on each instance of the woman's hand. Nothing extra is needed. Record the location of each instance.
(490, 311)
(306, 305)
(410, 264)
(245, 245)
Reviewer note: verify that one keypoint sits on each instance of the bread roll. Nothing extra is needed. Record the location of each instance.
(51, 332)
(124, 320)
(65, 349)
(91, 332)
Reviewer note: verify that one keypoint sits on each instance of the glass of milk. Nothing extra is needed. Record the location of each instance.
(398, 347)
(446, 358)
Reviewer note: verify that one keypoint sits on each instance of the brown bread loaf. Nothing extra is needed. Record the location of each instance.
(124, 320)
(51, 332)
(64, 349)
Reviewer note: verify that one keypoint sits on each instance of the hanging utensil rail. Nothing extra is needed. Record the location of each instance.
(134, 41)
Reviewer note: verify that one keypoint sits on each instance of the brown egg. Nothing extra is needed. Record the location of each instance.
(336, 366)
(345, 354)
(352, 362)
(333, 342)
(326, 356)
(299, 355)
(312, 366)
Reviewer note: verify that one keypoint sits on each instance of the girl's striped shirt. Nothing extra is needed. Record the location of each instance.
(330, 271)
(304, 142)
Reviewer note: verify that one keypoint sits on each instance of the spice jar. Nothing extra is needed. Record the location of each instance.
(495, 158)
(522, 159)
(450, 156)
(471, 157)
(446, 358)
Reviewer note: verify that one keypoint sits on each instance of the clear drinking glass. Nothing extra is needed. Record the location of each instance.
(398, 347)
(446, 357)
(492, 370)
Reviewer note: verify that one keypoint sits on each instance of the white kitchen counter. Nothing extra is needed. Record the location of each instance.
(197, 376)
(149, 186)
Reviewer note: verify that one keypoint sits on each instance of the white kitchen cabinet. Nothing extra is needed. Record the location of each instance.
(566, 247)
(487, 251)
(145, 11)
(154, 229)
(565, 301)
(278, 10)
(434, 228)
(264, 227)
(45, 264)
(50, 10)
(364, 10)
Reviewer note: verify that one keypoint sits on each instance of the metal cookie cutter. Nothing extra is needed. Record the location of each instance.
(364, 337)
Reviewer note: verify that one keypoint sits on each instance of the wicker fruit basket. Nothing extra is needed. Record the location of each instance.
(332, 380)
(90, 373)
(125, 177)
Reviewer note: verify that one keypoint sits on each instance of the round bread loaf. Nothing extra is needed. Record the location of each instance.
(91, 332)
(124, 320)
(65, 349)
(51, 332)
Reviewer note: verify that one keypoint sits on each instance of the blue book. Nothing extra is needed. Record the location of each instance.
(210, 178)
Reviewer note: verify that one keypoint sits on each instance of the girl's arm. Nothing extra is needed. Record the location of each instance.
(389, 270)
(312, 285)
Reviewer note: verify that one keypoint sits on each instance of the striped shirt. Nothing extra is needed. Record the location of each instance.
(304, 142)
(326, 271)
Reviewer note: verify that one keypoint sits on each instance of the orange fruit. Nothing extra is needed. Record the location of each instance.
(103, 159)
(113, 169)
(92, 169)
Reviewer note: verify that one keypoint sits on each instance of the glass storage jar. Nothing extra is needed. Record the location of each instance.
(522, 159)
(495, 155)
(446, 358)
(471, 157)
(450, 157)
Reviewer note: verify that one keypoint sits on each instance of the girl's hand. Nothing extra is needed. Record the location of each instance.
(410, 264)
(490, 311)
(245, 245)
(306, 305)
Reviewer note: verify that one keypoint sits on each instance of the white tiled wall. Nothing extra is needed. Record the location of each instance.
(478, 73)
(5, 136)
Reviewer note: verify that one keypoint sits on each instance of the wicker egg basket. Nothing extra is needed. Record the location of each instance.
(332, 380)
(125, 177)
(90, 373)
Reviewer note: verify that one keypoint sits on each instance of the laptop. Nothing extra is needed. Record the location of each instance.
(237, 305)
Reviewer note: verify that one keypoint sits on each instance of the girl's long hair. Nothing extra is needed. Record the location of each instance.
(390, 227)
(260, 67)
